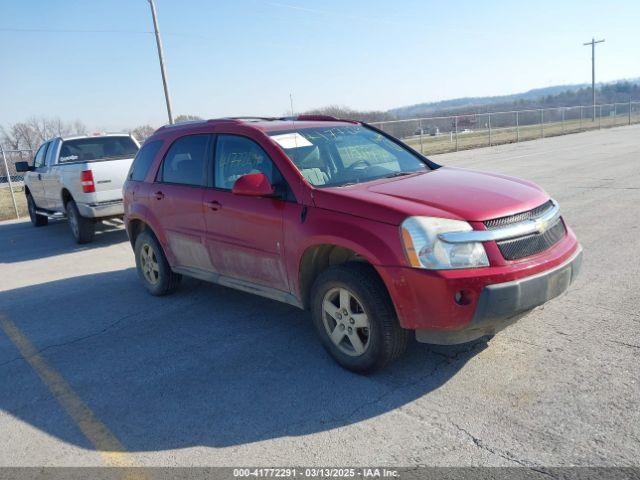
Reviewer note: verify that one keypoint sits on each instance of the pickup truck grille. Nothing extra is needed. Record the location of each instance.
(527, 245)
(518, 217)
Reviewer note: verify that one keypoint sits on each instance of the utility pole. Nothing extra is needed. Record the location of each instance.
(161, 58)
(593, 71)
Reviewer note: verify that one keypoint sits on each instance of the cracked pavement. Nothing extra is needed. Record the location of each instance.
(212, 376)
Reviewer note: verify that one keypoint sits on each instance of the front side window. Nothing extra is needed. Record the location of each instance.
(185, 161)
(38, 160)
(97, 148)
(341, 155)
(237, 156)
(143, 160)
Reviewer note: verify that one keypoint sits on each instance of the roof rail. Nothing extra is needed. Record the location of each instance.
(311, 118)
(181, 124)
(251, 117)
(318, 118)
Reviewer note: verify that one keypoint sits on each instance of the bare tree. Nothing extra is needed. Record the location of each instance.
(36, 130)
(142, 132)
(186, 118)
(19, 135)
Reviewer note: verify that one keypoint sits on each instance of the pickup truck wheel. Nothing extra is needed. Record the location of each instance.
(36, 220)
(354, 316)
(153, 268)
(82, 228)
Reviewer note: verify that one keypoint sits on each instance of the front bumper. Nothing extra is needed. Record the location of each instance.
(112, 208)
(501, 304)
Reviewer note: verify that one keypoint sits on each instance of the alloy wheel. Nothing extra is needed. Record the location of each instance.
(149, 264)
(346, 322)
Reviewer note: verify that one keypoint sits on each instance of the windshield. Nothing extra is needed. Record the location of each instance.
(97, 148)
(344, 155)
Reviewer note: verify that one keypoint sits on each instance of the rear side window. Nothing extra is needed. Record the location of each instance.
(185, 161)
(237, 156)
(143, 160)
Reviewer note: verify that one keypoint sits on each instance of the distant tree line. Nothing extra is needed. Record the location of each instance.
(142, 132)
(351, 114)
(619, 92)
(34, 131)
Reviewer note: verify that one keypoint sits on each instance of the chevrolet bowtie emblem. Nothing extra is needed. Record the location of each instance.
(542, 225)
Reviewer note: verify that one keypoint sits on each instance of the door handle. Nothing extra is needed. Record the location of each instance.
(158, 195)
(214, 205)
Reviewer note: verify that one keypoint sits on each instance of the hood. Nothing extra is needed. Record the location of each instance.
(447, 192)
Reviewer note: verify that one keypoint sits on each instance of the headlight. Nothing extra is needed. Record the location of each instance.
(425, 250)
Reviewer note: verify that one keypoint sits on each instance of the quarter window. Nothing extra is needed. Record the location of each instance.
(237, 156)
(185, 161)
(143, 160)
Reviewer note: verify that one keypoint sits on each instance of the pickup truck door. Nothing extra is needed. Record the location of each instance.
(51, 178)
(244, 235)
(33, 179)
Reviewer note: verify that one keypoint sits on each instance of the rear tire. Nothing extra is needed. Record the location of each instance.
(36, 220)
(355, 318)
(152, 266)
(82, 228)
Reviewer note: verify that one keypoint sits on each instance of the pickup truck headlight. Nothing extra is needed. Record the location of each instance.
(425, 250)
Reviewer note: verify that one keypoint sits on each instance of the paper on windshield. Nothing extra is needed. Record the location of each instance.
(291, 140)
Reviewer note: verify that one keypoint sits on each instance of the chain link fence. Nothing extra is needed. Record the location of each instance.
(431, 135)
(13, 203)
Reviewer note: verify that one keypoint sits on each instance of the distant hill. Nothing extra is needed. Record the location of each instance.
(620, 91)
(554, 96)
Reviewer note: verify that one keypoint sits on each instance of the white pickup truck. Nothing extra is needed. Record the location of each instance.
(80, 178)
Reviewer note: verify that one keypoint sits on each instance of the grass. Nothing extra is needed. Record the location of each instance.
(480, 138)
(7, 211)
(429, 146)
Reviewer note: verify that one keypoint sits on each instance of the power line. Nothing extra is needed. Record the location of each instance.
(70, 30)
(64, 30)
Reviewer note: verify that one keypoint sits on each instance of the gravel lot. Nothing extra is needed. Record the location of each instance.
(212, 376)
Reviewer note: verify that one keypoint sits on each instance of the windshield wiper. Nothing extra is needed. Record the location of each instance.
(398, 174)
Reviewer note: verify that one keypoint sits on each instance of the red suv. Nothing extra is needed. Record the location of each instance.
(339, 218)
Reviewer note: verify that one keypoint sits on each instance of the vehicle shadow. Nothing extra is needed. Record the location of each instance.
(206, 366)
(53, 239)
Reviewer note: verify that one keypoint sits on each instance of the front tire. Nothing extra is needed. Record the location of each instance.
(355, 319)
(152, 266)
(82, 228)
(36, 220)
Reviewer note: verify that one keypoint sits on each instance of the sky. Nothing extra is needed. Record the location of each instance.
(96, 60)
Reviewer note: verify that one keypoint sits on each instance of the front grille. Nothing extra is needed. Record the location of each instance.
(518, 217)
(521, 247)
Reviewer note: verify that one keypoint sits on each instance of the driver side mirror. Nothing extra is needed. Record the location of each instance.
(253, 185)
(22, 167)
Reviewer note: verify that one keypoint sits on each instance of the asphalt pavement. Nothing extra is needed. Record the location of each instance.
(96, 371)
